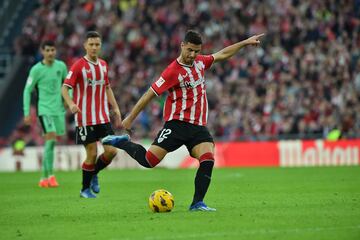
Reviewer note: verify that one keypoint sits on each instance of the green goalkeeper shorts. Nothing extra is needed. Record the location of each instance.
(53, 124)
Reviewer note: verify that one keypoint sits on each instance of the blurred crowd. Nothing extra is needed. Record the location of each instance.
(302, 82)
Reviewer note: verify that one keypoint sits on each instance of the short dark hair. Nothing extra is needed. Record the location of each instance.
(92, 34)
(193, 37)
(49, 43)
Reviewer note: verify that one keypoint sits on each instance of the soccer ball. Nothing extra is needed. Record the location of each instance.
(161, 201)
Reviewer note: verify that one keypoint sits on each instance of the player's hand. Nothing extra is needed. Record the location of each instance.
(74, 108)
(126, 123)
(27, 120)
(254, 40)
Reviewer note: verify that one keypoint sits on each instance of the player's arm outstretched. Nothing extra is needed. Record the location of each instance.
(231, 50)
(139, 106)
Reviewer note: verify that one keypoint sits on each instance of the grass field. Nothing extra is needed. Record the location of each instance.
(252, 203)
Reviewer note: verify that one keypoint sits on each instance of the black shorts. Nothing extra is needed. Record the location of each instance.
(90, 134)
(176, 133)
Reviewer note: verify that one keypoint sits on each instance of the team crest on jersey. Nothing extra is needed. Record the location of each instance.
(160, 82)
(58, 73)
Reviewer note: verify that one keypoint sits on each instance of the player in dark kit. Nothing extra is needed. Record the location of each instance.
(88, 77)
(185, 112)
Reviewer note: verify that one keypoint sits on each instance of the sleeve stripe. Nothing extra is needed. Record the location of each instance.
(154, 91)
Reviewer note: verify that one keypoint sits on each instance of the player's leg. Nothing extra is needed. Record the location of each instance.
(105, 158)
(155, 154)
(148, 159)
(136, 151)
(204, 152)
(59, 124)
(86, 136)
(166, 141)
(102, 162)
(88, 169)
(201, 146)
(47, 123)
(100, 131)
(50, 140)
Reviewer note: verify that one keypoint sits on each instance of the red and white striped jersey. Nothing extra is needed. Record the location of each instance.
(186, 100)
(88, 81)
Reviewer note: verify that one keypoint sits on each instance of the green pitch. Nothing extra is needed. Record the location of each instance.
(252, 203)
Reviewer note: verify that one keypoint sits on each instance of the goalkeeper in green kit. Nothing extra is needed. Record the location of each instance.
(47, 77)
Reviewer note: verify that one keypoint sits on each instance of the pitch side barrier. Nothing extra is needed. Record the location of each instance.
(294, 153)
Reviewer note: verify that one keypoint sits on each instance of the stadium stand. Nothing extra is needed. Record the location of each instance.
(13, 68)
(302, 83)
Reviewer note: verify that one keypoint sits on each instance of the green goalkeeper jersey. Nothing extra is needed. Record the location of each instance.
(47, 80)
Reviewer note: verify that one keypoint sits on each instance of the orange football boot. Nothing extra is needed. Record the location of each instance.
(44, 183)
(52, 181)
